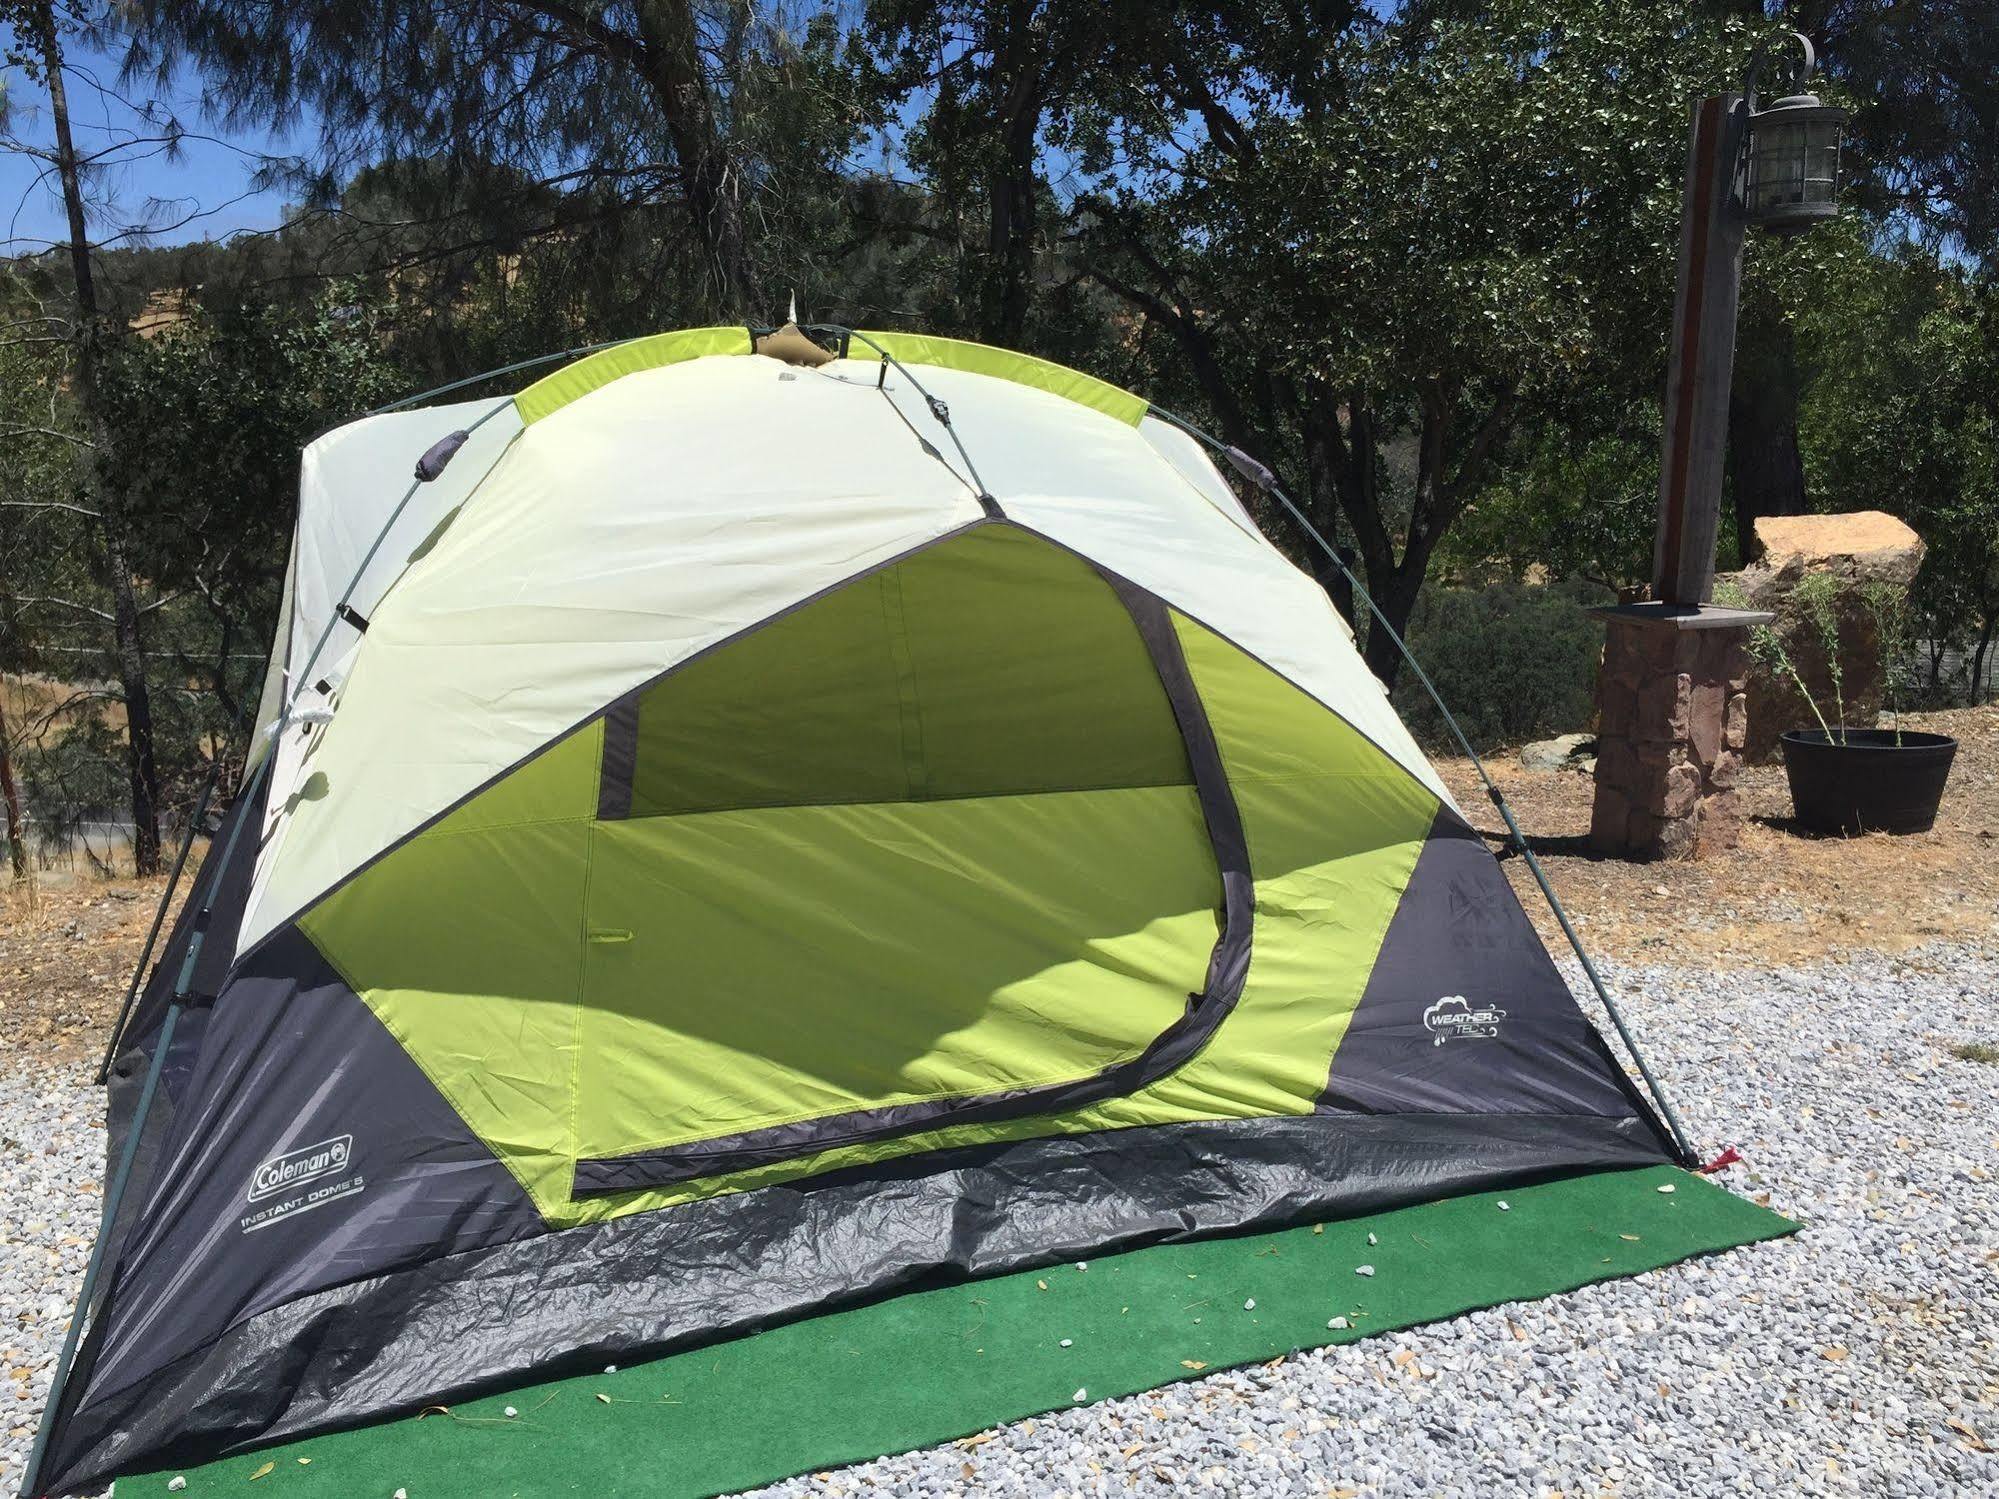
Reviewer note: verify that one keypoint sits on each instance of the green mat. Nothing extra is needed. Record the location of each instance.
(933, 1365)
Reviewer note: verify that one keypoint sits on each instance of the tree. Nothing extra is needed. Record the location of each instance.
(1904, 414)
(530, 119)
(37, 29)
(1923, 82)
(1380, 248)
(214, 412)
(994, 70)
(10, 800)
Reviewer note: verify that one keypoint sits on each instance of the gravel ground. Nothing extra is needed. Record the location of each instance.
(1860, 1357)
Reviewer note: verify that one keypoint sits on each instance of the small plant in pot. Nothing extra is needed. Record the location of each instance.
(1845, 778)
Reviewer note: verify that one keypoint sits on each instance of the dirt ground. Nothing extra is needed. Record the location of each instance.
(1785, 895)
(68, 942)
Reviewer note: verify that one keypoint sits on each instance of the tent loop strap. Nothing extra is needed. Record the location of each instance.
(939, 412)
(344, 610)
(1260, 475)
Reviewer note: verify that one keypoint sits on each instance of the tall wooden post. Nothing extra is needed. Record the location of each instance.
(1700, 360)
(1670, 708)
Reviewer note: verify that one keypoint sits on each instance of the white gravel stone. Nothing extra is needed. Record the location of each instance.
(1831, 1363)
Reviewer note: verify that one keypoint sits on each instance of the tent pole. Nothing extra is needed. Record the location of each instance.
(1260, 476)
(939, 412)
(159, 917)
(166, 899)
(114, 1197)
(507, 369)
(456, 385)
(59, 1381)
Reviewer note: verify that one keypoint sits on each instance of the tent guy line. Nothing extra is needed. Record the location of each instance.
(1260, 475)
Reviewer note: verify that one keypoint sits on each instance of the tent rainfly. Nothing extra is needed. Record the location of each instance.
(735, 834)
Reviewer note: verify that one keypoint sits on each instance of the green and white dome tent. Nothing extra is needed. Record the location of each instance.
(746, 827)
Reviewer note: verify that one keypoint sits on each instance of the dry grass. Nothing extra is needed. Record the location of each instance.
(67, 946)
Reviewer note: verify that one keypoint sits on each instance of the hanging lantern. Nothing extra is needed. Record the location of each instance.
(1791, 177)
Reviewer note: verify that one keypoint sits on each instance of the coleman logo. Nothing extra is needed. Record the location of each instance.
(296, 1167)
(1452, 1019)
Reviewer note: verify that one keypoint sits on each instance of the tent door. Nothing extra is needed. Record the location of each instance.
(765, 983)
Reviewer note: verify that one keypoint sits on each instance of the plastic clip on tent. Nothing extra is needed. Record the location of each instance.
(708, 852)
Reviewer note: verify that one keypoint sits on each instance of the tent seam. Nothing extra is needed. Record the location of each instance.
(582, 983)
(1283, 677)
(603, 1223)
(415, 1054)
(596, 715)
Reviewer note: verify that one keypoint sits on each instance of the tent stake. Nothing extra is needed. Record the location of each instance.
(1260, 476)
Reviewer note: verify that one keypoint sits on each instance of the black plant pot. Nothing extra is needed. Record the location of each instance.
(1863, 781)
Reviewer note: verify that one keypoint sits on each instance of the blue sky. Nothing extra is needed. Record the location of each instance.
(205, 193)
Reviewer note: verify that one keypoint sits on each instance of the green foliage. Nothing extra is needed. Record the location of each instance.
(1903, 415)
(1404, 252)
(1925, 79)
(1816, 600)
(1419, 257)
(206, 420)
(1514, 661)
(74, 789)
(1579, 500)
(1767, 649)
(1887, 605)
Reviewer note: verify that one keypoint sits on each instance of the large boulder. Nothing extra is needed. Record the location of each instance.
(1860, 548)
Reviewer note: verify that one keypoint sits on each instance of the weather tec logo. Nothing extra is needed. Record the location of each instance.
(292, 1177)
(1453, 1019)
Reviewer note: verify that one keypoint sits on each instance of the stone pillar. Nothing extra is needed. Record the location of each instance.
(1671, 717)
